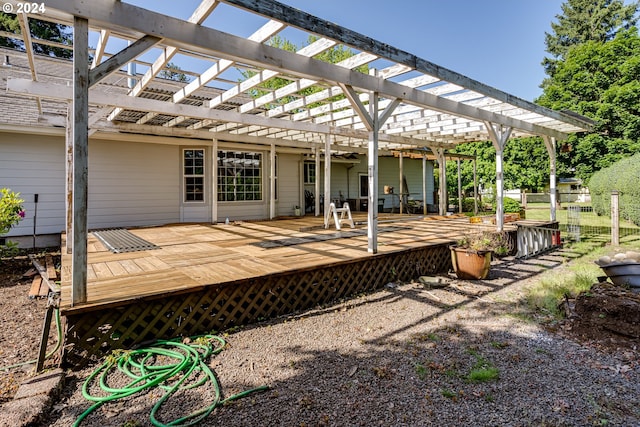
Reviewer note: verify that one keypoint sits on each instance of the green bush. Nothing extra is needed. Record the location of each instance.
(510, 205)
(623, 176)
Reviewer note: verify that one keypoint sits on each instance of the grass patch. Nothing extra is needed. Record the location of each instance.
(421, 371)
(483, 371)
(547, 294)
(448, 394)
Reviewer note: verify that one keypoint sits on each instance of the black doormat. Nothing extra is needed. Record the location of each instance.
(291, 241)
(119, 240)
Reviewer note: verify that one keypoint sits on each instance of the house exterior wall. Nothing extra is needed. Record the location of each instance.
(35, 164)
(141, 184)
(345, 179)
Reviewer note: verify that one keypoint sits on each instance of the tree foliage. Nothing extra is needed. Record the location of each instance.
(334, 55)
(583, 21)
(173, 72)
(600, 80)
(525, 165)
(43, 30)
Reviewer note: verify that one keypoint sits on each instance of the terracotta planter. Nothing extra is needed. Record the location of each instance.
(469, 264)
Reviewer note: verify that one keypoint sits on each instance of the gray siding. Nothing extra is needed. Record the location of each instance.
(31, 164)
(133, 184)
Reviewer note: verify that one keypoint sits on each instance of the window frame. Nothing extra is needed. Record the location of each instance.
(227, 177)
(187, 176)
(306, 173)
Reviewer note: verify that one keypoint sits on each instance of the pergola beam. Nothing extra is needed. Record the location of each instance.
(123, 57)
(49, 90)
(308, 22)
(198, 16)
(23, 20)
(181, 34)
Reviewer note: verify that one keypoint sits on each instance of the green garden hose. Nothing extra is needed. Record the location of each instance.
(48, 355)
(187, 369)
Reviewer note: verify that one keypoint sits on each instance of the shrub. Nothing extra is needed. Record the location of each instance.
(11, 212)
(623, 176)
(510, 205)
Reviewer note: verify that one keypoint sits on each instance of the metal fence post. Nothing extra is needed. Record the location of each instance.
(615, 218)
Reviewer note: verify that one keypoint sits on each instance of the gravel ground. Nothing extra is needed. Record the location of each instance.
(403, 356)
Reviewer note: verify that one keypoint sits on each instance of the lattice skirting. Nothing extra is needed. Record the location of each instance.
(91, 335)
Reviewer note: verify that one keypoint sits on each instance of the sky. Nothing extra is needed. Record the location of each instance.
(497, 42)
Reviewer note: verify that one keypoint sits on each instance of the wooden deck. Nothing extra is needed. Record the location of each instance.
(197, 255)
(205, 277)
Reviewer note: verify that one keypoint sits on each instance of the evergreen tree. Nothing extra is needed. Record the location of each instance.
(586, 20)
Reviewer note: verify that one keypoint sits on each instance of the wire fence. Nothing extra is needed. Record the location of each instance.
(578, 222)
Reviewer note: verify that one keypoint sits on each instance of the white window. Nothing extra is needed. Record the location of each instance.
(193, 175)
(239, 176)
(309, 173)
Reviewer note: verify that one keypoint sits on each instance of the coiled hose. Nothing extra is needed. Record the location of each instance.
(188, 369)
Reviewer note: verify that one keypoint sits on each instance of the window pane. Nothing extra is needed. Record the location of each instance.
(193, 169)
(239, 176)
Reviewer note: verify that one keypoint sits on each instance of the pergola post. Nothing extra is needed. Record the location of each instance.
(459, 189)
(80, 159)
(69, 180)
(475, 188)
(401, 186)
(442, 174)
(424, 185)
(327, 176)
(550, 144)
(499, 136)
(317, 182)
(272, 182)
(214, 180)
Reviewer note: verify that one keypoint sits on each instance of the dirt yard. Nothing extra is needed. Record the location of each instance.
(399, 356)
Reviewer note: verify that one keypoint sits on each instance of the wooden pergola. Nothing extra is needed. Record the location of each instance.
(404, 103)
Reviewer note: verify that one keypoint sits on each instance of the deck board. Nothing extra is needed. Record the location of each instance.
(197, 255)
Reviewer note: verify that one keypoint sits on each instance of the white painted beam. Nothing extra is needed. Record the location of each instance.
(201, 13)
(305, 21)
(48, 90)
(190, 36)
(28, 47)
(100, 48)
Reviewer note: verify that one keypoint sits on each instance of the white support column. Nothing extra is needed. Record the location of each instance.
(424, 185)
(550, 144)
(80, 159)
(69, 181)
(327, 176)
(317, 183)
(475, 188)
(442, 178)
(499, 136)
(372, 172)
(459, 189)
(272, 182)
(401, 186)
(214, 181)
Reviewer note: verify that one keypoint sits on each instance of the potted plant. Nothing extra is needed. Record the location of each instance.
(471, 255)
(296, 211)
